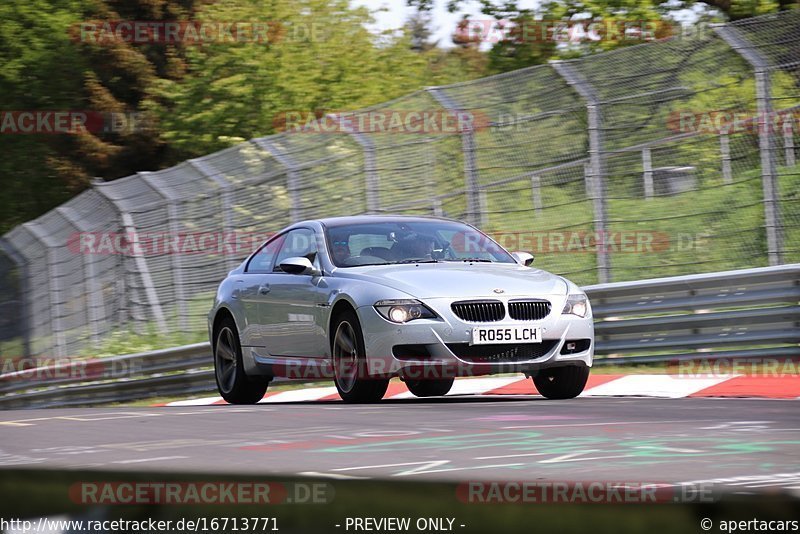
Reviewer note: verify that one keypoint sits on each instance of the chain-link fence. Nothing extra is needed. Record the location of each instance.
(666, 158)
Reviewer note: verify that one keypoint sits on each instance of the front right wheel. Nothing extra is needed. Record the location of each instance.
(351, 375)
(561, 382)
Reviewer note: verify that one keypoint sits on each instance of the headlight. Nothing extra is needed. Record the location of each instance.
(576, 305)
(403, 311)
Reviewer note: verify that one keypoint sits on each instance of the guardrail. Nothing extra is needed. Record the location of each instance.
(166, 372)
(748, 313)
(732, 314)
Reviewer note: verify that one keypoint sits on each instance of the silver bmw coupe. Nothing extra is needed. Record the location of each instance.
(363, 299)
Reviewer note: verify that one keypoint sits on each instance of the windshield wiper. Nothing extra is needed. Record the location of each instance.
(481, 260)
(418, 260)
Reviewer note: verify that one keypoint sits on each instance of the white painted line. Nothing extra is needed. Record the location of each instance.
(511, 456)
(336, 476)
(142, 460)
(604, 424)
(470, 386)
(205, 401)
(300, 395)
(653, 386)
(468, 468)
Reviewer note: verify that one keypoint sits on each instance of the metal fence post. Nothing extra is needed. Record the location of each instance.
(129, 227)
(536, 193)
(55, 293)
(175, 257)
(725, 152)
(371, 178)
(89, 275)
(788, 142)
(295, 210)
(769, 173)
(647, 167)
(24, 292)
(475, 210)
(597, 163)
(226, 204)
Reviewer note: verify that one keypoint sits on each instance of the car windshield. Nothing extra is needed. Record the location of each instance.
(414, 241)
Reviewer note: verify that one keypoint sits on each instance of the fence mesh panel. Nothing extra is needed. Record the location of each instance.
(667, 158)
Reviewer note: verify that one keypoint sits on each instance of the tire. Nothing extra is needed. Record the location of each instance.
(349, 362)
(232, 383)
(430, 388)
(561, 382)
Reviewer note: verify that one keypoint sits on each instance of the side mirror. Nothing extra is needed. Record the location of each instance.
(523, 258)
(298, 265)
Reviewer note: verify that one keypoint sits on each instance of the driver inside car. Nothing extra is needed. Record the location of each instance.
(341, 251)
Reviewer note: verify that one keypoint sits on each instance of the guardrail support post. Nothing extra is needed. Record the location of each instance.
(769, 173)
(597, 164)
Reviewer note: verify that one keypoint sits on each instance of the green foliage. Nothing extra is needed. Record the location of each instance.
(325, 61)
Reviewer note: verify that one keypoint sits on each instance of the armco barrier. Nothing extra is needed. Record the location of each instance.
(748, 313)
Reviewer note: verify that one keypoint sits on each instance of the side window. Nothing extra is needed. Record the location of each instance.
(300, 242)
(263, 259)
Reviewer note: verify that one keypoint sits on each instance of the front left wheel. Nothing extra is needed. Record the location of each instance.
(430, 388)
(561, 382)
(233, 384)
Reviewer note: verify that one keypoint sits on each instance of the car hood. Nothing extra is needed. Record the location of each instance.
(460, 280)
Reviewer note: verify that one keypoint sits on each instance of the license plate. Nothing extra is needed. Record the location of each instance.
(487, 335)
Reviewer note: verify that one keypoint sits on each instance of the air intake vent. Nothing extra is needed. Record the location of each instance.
(479, 311)
(528, 310)
(502, 353)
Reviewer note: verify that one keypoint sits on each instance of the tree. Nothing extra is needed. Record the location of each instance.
(322, 58)
(46, 63)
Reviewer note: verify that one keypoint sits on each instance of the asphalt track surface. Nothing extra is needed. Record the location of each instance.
(747, 444)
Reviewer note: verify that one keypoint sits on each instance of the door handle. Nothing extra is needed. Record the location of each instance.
(263, 289)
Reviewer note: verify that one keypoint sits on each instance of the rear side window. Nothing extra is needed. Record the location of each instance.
(263, 260)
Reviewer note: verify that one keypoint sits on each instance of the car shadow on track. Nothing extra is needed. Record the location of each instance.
(455, 399)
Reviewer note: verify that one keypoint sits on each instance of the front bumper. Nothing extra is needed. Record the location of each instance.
(446, 344)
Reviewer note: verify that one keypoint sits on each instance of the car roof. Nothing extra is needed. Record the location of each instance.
(333, 222)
